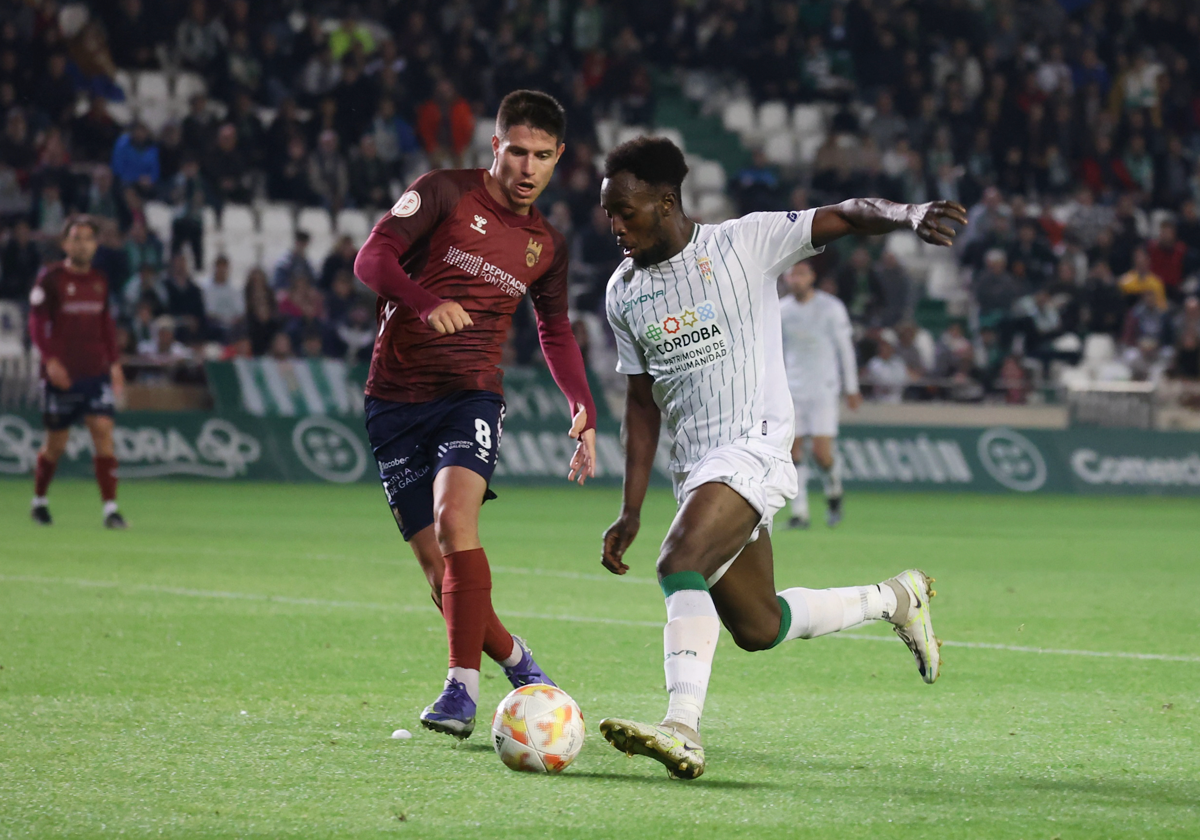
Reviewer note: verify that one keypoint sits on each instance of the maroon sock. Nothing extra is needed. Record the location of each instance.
(498, 643)
(43, 475)
(106, 477)
(467, 604)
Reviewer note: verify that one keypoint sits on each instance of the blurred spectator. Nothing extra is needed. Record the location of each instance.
(892, 300)
(328, 175)
(341, 297)
(262, 320)
(1033, 253)
(758, 187)
(1140, 279)
(94, 133)
(131, 36)
(200, 39)
(909, 352)
(224, 305)
(340, 258)
(1167, 255)
(1148, 318)
(185, 301)
(20, 261)
(394, 136)
(858, 284)
(445, 125)
(102, 201)
(886, 373)
(293, 262)
(145, 288)
(1187, 339)
(16, 147)
(135, 159)
(162, 346)
(289, 179)
(226, 171)
(49, 213)
(188, 197)
(199, 127)
(1103, 304)
(1147, 360)
(597, 256)
(995, 289)
(142, 247)
(368, 176)
(56, 92)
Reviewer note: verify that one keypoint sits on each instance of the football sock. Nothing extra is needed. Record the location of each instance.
(468, 677)
(43, 475)
(800, 503)
(467, 604)
(808, 613)
(498, 643)
(106, 476)
(831, 479)
(689, 642)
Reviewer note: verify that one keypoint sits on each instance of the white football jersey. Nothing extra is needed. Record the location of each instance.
(705, 325)
(818, 347)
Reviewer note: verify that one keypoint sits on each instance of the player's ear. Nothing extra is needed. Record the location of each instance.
(668, 203)
(562, 147)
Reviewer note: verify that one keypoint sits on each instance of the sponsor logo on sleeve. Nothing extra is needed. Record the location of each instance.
(408, 204)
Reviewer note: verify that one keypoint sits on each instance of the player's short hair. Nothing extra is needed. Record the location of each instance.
(655, 160)
(80, 219)
(533, 109)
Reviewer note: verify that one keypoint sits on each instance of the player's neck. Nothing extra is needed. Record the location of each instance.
(492, 184)
(679, 232)
(805, 297)
(77, 268)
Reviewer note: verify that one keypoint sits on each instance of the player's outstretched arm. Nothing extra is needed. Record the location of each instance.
(876, 216)
(639, 433)
(565, 361)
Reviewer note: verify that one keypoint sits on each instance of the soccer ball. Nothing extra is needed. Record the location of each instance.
(537, 729)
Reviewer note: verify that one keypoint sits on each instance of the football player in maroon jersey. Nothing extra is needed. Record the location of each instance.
(451, 263)
(73, 329)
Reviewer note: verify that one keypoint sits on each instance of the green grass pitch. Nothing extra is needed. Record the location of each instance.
(233, 666)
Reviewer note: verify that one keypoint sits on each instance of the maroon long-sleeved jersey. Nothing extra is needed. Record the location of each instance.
(459, 244)
(69, 320)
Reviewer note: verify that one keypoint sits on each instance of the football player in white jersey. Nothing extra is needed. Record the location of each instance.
(818, 352)
(696, 318)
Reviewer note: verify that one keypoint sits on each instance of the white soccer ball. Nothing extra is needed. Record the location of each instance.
(537, 729)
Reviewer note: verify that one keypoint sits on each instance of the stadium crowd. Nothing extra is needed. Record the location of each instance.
(1070, 128)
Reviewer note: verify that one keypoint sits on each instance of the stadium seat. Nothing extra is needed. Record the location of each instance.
(780, 148)
(1157, 217)
(12, 329)
(316, 221)
(237, 220)
(125, 81)
(277, 221)
(159, 216)
(123, 113)
(1098, 349)
(807, 147)
(708, 175)
(772, 118)
(738, 116)
(606, 134)
(807, 120)
(630, 132)
(152, 85)
(188, 85)
(154, 113)
(713, 207)
(353, 223)
(209, 216)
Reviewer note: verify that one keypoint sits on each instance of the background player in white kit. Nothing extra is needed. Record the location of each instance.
(818, 352)
(696, 318)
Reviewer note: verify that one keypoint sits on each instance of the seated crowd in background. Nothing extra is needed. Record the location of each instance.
(1071, 136)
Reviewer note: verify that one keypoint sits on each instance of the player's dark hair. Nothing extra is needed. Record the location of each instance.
(533, 109)
(655, 160)
(81, 219)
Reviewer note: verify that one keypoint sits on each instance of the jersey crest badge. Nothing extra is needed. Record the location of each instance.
(408, 204)
(706, 269)
(533, 252)
(480, 221)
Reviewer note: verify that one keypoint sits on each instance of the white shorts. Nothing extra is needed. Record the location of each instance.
(765, 480)
(817, 415)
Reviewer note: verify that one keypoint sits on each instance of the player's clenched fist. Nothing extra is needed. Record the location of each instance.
(56, 372)
(449, 318)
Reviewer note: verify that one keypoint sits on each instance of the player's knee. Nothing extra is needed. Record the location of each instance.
(454, 529)
(754, 637)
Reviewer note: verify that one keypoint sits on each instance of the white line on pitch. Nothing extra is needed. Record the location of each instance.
(403, 608)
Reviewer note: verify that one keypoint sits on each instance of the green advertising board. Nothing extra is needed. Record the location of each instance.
(536, 450)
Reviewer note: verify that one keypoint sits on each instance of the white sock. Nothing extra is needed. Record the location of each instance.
(110, 508)
(39, 501)
(817, 612)
(468, 677)
(689, 642)
(514, 657)
(831, 479)
(800, 503)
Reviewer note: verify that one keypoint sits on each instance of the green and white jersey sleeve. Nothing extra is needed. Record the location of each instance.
(705, 325)
(818, 348)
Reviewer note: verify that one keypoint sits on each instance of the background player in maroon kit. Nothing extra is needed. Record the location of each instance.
(451, 263)
(70, 322)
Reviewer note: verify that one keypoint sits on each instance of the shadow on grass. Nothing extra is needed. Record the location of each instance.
(721, 784)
